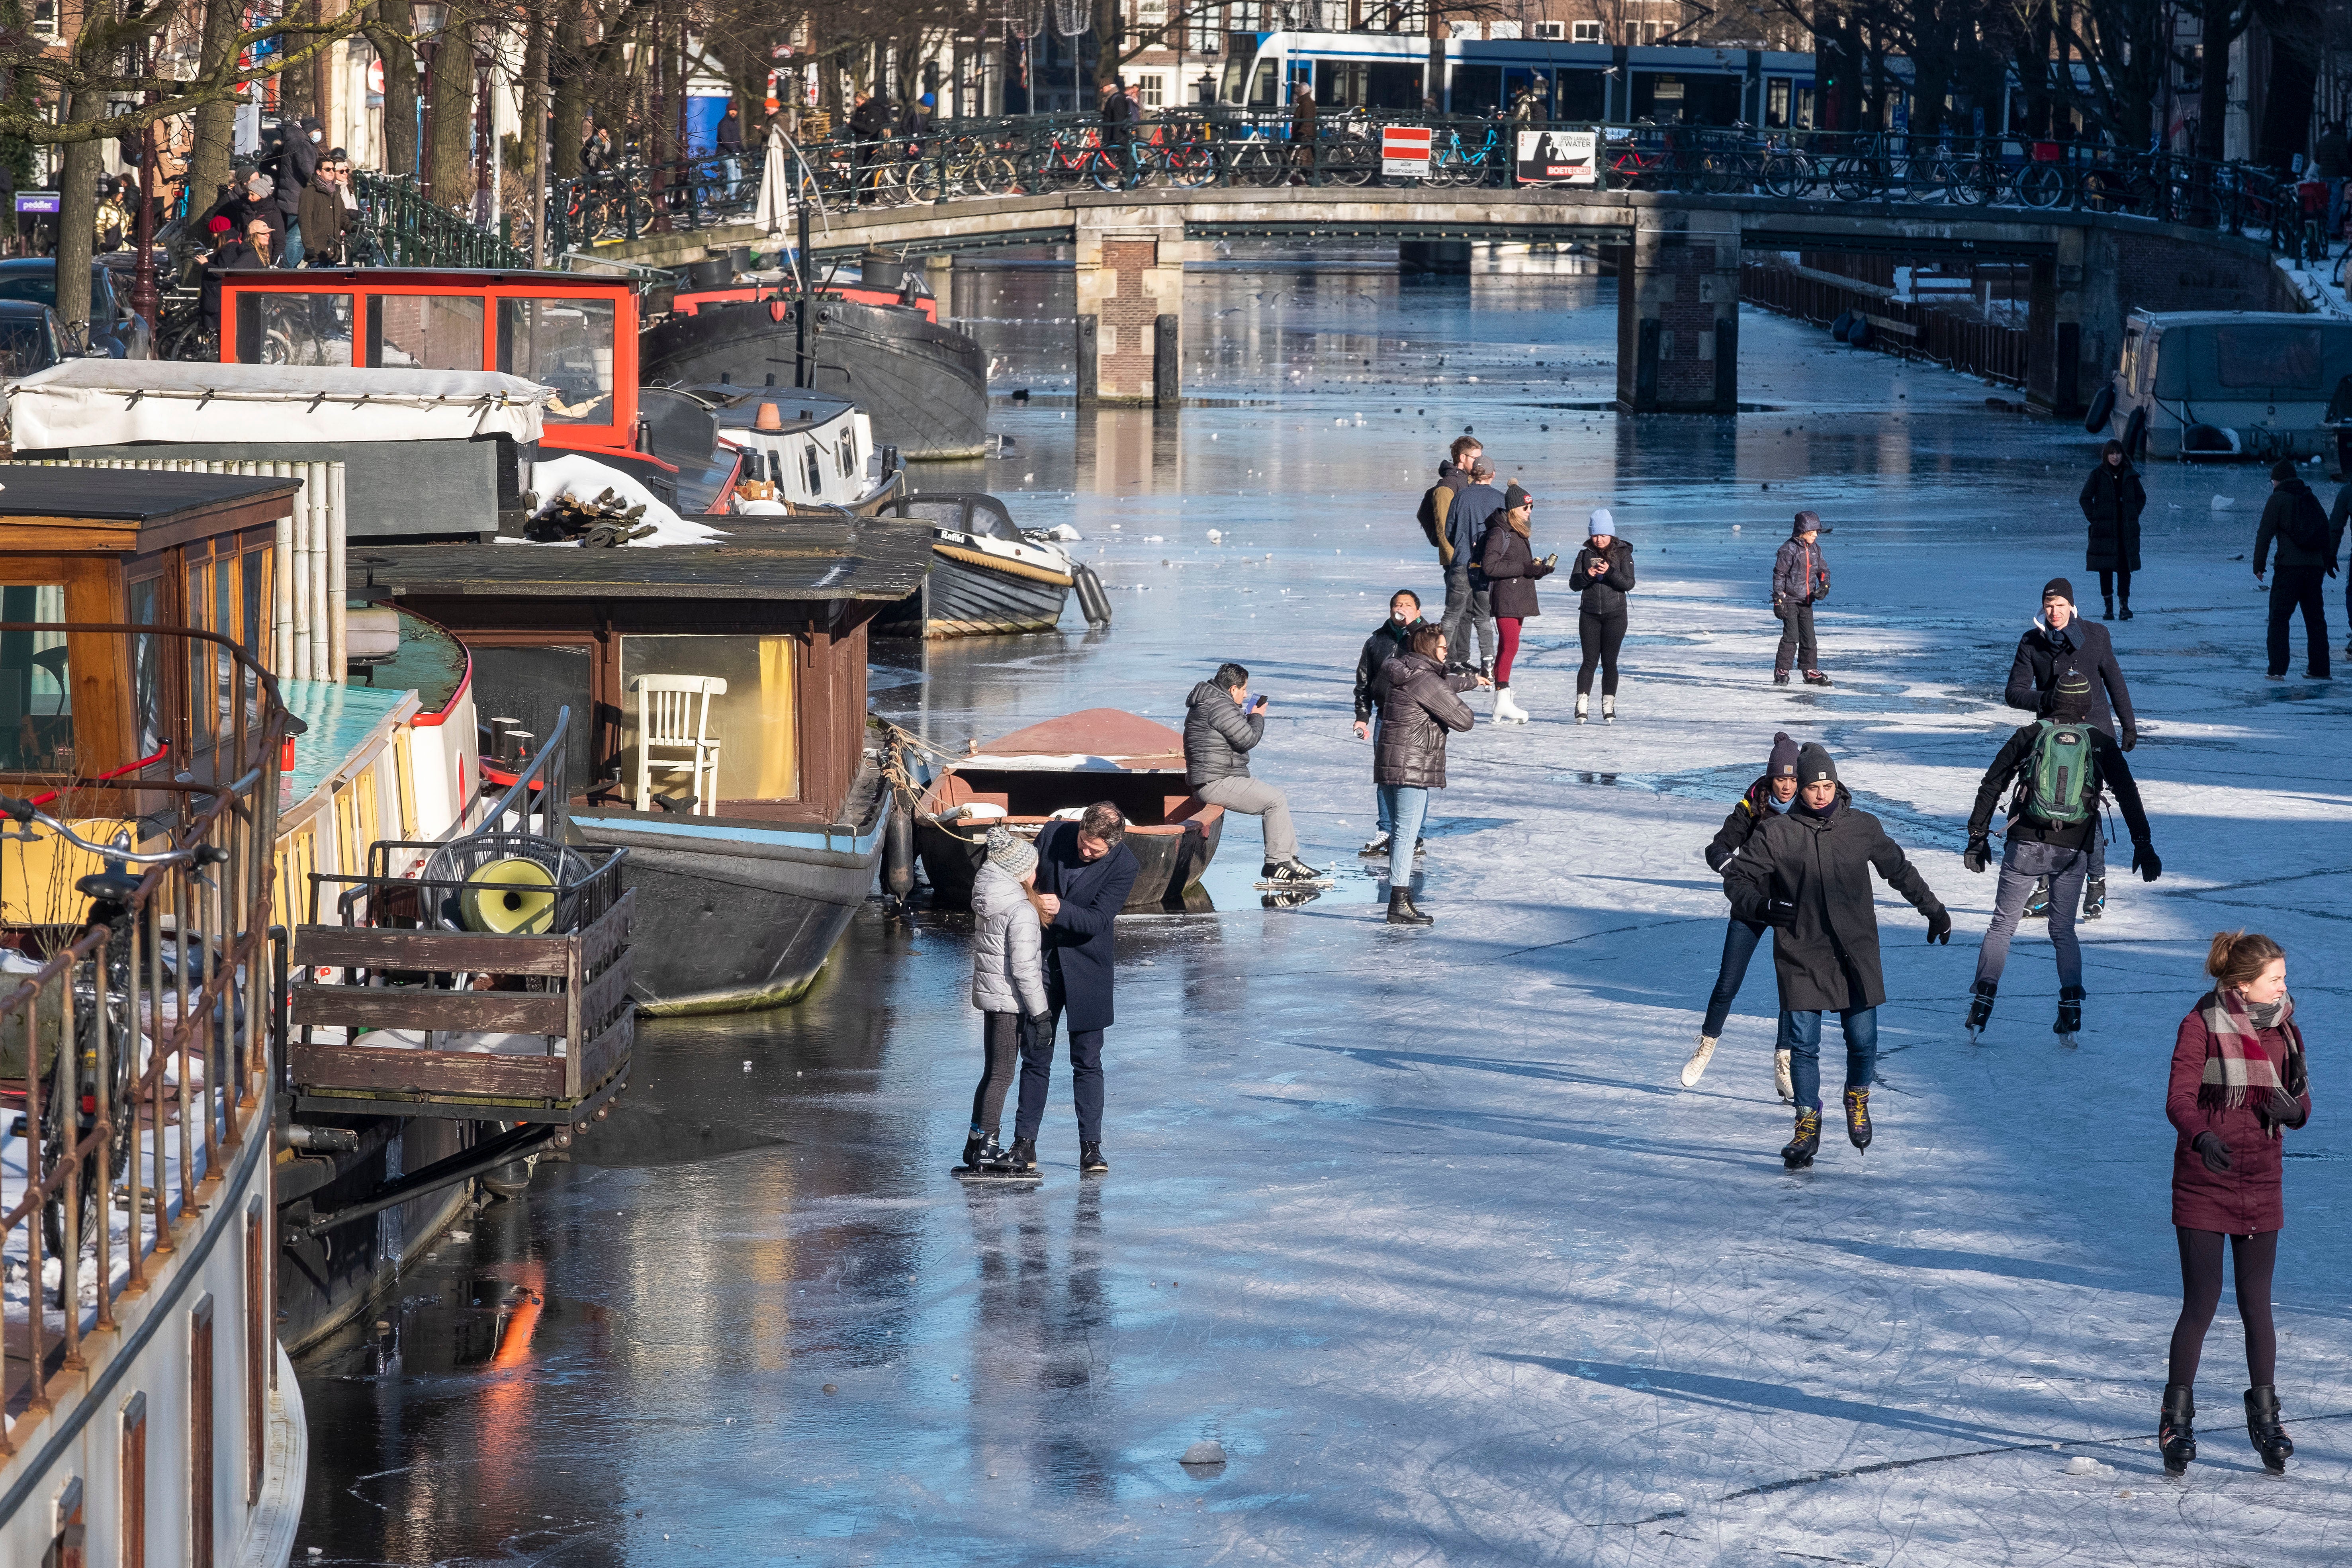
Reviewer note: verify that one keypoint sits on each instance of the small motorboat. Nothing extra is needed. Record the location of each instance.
(1056, 769)
(989, 575)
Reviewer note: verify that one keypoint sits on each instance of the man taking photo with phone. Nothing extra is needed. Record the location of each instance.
(1221, 723)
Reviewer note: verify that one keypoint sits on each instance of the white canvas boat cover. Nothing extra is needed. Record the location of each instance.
(114, 402)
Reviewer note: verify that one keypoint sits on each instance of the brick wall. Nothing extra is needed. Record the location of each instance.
(2158, 272)
(1686, 323)
(1123, 316)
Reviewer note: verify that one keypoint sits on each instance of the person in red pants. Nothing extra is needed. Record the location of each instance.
(1508, 560)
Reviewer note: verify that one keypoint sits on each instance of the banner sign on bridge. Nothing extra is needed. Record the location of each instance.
(1558, 158)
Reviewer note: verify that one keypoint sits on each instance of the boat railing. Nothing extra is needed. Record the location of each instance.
(540, 786)
(136, 1045)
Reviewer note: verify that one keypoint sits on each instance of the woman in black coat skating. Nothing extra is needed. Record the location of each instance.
(2112, 503)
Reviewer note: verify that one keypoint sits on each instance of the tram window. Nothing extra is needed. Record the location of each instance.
(293, 328)
(1776, 103)
(1582, 98)
(425, 332)
(35, 691)
(1803, 118)
(563, 344)
(1269, 78)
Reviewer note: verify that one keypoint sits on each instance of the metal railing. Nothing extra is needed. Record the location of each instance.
(401, 227)
(148, 1034)
(1906, 328)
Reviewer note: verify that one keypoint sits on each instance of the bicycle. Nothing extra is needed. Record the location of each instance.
(1451, 163)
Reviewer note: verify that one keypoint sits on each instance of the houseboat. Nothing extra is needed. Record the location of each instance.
(989, 575)
(2220, 385)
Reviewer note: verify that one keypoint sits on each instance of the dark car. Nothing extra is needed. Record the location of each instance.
(113, 330)
(31, 338)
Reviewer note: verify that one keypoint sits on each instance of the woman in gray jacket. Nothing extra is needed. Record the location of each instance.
(1008, 986)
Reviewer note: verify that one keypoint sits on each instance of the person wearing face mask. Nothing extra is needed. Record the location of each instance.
(2059, 642)
(297, 165)
(2238, 1083)
(1769, 796)
(1390, 637)
(1807, 875)
(2113, 498)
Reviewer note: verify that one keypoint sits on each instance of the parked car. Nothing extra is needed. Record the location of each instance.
(114, 330)
(31, 338)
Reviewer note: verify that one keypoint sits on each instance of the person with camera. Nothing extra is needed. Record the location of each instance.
(1008, 986)
(2060, 765)
(1389, 638)
(1807, 875)
(1800, 579)
(2060, 642)
(1222, 723)
(1507, 559)
(1417, 705)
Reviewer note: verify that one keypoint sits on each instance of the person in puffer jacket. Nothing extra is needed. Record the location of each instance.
(1419, 704)
(1008, 986)
(1222, 723)
(1800, 579)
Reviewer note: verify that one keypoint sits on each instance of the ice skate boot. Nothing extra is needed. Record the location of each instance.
(2175, 1431)
(1507, 708)
(2094, 897)
(1981, 1007)
(1021, 1160)
(2271, 1440)
(982, 1159)
(1815, 678)
(1781, 1079)
(1698, 1060)
(2037, 904)
(1798, 1153)
(2070, 1014)
(1090, 1159)
(1609, 710)
(1857, 1118)
(1780, 677)
(2107, 608)
(1289, 871)
(1379, 845)
(2126, 612)
(1583, 709)
(1402, 911)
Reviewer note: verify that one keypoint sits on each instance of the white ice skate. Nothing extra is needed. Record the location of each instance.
(1781, 1079)
(1580, 706)
(1609, 710)
(1506, 709)
(1698, 1060)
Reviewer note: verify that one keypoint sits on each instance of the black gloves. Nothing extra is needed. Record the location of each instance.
(2298, 1079)
(1979, 854)
(1037, 1029)
(2281, 1109)
(2130, 739)
(1780, 914)
(1939, 927)
(2212, 1151)
(2144, 860)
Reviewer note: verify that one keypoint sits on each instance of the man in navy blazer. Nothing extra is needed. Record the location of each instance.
(1085, 871)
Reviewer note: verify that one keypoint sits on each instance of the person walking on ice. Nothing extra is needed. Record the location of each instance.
(1800, 579)
(1603, 574)
(1769, 796)
(2059, 642)
(2238, 1083)
(1807, 876)
(1506, 560)
(1008, 986)
(2060, 765)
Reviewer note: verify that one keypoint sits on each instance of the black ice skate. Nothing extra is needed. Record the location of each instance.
(2271, 1440)
(1815, 678)
(1090, 1159)
(983, 1161)
(1798, 1154)
(1021, 1160)
(2037, 906)
(1402, 910)
(2175, 1431)
(1378, 845)
(1981, 1007)
(1857, 1118)
(2094, 897)
(2070, 1014)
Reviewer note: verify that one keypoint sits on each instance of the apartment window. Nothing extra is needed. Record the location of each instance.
(1151, 88)
(1554, 30)
(1204, 32)
(1587, 32)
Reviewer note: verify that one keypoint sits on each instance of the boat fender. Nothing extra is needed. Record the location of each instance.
(2135, 432)
(1844, 324)
(775, 310)
(1859, 333)
(1094, 601)
(2103, 408)
(899, 853)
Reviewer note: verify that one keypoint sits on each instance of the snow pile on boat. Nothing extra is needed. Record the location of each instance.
(583, 479)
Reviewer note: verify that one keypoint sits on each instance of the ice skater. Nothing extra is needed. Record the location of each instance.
(1085, 872)
(1468, 603)
(2061, 766)
(1388, 639)
(1008, 986)
(1769, 796)
(1807, 875)
(2058, 642)
(2238, 1084)
(1417, 705)
(2113, 498)
(1508, 561)
(1221, 723)
(1800, 579)
(1453, 476)
(2306, 559)
(1603, 574)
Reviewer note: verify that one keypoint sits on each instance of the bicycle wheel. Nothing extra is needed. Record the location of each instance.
(2042, 185)
(1187, 165)
(994, 174)
(1788, 175)
(1349, 160)
(1852, 179)
(1256, 164)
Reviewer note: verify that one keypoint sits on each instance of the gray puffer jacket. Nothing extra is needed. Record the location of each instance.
(1217, 735)
(1008, 974)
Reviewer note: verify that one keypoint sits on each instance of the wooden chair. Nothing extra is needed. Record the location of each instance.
(674, 716)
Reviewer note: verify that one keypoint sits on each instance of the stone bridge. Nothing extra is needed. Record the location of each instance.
(1677, 258)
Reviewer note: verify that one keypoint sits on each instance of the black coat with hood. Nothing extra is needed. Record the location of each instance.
(1508, 563)
(2113, 498)
(1808, 877)
(1388, 640)
(2278, 524)
(1418, 706)
(2043, 656)
(1218, 735)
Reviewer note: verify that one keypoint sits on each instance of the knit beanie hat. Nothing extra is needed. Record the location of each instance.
(1516, 498)
(2058, 588)
(1813, 765)
(1599, 523)
(2283, 468)
(2071, 698)
(1783, 763)
(1015, 857)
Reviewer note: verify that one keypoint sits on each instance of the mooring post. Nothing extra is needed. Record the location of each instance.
(1167, 361)
(1090, 361)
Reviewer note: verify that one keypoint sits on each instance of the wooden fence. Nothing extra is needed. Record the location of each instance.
(1899, 327)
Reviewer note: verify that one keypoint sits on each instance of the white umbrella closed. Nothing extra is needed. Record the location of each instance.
(774, 209)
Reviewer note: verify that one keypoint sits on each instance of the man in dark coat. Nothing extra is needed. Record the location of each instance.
(2306, 559)
(2049, 853)
(1388, 639)
(1221, 722)
(1807, 875)
(1085, 871)
(2113, 498)
(1772, 793)
(2059, 642)
(1436, 515)
(1469, 602)
(2338, 516)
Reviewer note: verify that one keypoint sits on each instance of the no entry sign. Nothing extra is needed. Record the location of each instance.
(1405, 149)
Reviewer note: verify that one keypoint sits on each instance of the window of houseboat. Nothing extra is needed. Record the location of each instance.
(293, 328)
(425, 332)
(755, 721)
(146, 673)
(815, 466)
(35, 691)
(564, 345)
(532, 684)
(2268, 356)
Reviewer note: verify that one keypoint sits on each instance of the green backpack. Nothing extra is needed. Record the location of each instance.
(2058, 787)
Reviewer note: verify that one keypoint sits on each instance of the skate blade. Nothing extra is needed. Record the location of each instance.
(985, 1177)
(2069, 1042)
(1976, 1036)
(1319, 885)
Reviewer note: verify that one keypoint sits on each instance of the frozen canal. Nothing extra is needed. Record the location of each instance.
(1419, 1224)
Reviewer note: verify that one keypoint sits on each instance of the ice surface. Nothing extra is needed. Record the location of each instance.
(1418, 1226)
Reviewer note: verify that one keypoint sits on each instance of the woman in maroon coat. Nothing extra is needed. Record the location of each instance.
(2238, 1084)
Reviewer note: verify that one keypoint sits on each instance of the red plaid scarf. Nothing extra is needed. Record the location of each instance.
(2236, 1062)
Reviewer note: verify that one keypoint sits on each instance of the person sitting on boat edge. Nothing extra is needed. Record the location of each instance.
(1221, 722)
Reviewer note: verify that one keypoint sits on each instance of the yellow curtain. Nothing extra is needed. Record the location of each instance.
(780, 772)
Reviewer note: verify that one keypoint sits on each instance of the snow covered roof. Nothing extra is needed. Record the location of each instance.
(111, 402)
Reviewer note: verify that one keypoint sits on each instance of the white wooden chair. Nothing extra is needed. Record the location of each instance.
(674, 717)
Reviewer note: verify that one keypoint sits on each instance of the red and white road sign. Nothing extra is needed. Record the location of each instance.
(375, 78)
(1405, 149)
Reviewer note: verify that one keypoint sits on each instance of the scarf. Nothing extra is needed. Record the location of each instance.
(2236, 1062)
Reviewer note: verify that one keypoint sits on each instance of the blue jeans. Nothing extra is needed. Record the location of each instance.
(293, 257)
(1406, 808)
(1802, 1033)
(1386, 809)
(1739, 940)
(2023, 864)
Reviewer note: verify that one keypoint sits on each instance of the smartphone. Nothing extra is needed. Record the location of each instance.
(1256, 703)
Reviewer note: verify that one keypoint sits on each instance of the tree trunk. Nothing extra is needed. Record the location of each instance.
(215, 124)
(77, 217)
(569, 64)
(2213, 85)
(534, 133)
(387, 32)
(449, 118)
